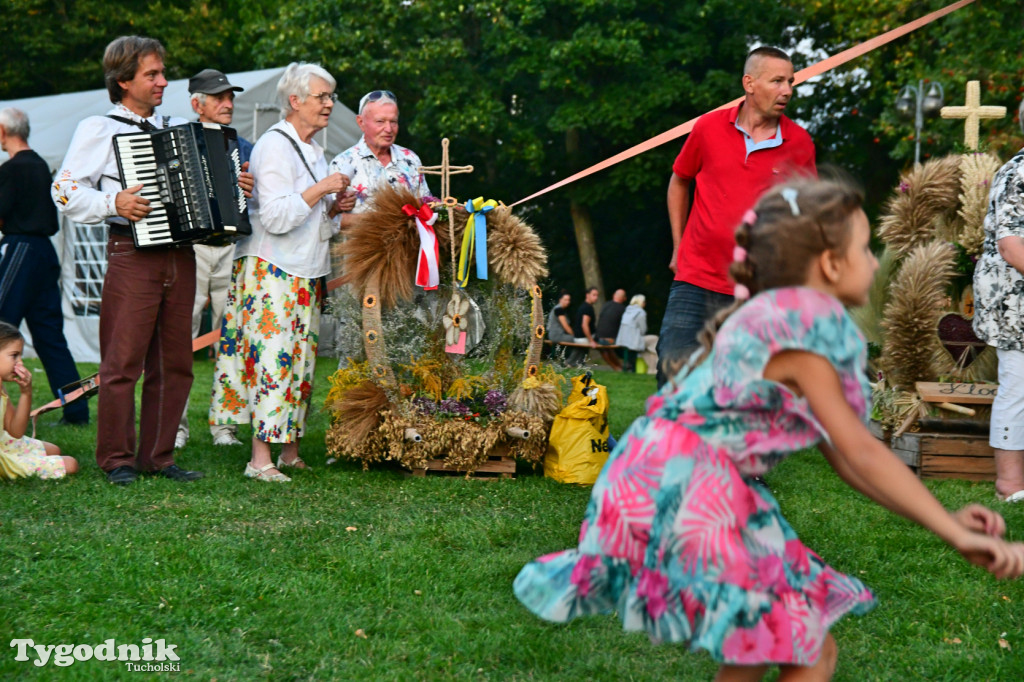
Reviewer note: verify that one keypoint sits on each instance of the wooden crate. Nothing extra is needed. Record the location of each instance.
(878, 431)
(496, 466)
(947, 455)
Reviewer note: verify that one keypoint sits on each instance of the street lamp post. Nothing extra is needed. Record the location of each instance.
(914, 102)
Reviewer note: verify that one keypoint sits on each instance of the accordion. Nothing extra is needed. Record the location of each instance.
(189, 173)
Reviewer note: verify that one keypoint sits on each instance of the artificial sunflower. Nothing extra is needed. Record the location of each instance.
(455, 318)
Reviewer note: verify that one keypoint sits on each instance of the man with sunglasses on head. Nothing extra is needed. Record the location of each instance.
(375, 160)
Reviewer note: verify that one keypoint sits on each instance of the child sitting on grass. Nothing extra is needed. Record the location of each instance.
(679, 537)
(20, 455)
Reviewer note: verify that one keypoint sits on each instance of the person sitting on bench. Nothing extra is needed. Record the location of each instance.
(608, 328)
(559, 328)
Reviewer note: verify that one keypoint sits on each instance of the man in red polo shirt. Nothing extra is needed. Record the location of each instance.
(732, 156)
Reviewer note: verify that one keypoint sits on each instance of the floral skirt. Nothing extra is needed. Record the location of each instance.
(688, 550)
(267, 351)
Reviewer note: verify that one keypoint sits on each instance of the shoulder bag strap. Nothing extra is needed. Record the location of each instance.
(298, 151)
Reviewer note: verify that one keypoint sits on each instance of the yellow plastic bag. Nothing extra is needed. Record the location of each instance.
(579, 446)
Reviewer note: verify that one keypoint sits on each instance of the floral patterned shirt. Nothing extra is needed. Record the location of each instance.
(368, 174)
(998, 286)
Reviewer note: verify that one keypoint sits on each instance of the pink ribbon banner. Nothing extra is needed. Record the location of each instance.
(804, 74)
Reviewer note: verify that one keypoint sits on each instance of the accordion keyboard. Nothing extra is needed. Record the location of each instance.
(189, 175)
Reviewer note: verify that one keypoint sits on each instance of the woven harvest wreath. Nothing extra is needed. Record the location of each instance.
(372, 420)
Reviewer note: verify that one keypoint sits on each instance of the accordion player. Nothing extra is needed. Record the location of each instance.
(190, 175)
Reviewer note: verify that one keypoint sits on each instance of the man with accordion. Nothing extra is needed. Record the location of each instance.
(148, 290)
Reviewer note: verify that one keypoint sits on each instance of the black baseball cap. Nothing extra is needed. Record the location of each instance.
(210, 82)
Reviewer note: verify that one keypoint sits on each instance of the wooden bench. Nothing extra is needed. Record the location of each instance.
(571, 344)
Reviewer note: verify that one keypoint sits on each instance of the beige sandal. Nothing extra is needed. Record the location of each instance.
(297, 463)
(262, 475)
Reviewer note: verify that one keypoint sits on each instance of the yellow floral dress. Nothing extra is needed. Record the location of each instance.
(28, 454)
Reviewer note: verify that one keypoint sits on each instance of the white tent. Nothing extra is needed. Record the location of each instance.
(82, 248)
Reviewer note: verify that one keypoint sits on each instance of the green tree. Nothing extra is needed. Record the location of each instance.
(530, 91)
(51, 47)
(852, 111)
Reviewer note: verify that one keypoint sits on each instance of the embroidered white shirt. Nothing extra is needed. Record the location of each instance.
(88, 180)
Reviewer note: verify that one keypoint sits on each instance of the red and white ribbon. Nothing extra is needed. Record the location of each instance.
(430, 252)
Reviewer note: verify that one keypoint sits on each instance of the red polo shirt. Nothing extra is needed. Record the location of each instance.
(728, 182)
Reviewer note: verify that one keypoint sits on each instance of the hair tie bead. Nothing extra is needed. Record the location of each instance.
(739, 254)
(741, 292)
(790, 195)
(749, 218)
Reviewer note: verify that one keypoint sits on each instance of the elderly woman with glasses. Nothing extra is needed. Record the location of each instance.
(269, 336)
(375, 160)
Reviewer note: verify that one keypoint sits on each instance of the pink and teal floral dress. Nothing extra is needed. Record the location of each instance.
(679, 539)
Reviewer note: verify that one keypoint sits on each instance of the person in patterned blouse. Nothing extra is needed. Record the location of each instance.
(375, 159)
(999, 321)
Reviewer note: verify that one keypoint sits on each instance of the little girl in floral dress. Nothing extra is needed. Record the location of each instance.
(20, 455)
(679, 537)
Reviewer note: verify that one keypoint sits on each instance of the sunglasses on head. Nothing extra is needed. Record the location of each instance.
(375, 96)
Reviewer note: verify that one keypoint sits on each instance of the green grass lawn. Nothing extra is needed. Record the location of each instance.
(352, 575)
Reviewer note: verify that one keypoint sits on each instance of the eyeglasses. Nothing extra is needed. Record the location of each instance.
(375, 96)
(325, 96)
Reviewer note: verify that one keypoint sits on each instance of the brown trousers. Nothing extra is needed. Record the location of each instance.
(145, 326)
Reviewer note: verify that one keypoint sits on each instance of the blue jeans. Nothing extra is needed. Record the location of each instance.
(688, 309)
(30, 291)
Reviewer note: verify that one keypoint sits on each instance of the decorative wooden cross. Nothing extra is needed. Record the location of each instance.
(973, 112)
(446, 170)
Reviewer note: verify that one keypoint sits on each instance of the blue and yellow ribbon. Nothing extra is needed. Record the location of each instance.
(475, 237)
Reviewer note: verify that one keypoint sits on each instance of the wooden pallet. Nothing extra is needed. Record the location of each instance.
(947, 455)
(879, 432)
(496, 466)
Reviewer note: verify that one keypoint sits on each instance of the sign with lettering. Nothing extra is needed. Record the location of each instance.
(939, 392)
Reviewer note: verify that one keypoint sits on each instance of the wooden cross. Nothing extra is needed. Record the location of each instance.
(446, 170)
(973, 112)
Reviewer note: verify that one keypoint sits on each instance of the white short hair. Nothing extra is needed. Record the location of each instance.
(295, 81)
(199, 97)
(15, 122)
(638, 299)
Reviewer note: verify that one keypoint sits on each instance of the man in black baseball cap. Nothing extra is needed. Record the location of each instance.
(213, 99)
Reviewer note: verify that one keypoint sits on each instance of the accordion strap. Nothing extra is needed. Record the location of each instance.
(144, 124)
(298, 151)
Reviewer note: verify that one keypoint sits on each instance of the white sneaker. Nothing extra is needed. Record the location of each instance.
(180, 440)
(226, 439)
